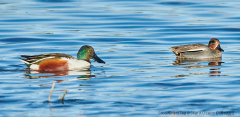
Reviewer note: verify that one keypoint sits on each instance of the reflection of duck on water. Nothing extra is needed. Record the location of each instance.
(195, 63)
(45, 74)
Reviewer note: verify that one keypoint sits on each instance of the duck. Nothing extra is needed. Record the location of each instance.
(61, 62)
(199, 51)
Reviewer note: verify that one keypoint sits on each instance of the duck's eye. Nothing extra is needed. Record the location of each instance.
(212, 42)
(88, 51)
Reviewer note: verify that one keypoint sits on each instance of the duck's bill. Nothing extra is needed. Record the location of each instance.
(96, 58)
(220, 49)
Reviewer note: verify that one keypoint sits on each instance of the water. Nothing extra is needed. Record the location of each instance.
(141, 76)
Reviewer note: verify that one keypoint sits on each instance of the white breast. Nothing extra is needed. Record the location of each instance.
(34, 67)
(74, 64)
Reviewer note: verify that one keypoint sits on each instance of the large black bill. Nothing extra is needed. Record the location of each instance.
(96, 58)
(220, 49)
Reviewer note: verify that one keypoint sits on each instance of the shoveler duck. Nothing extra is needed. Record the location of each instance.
(199, 51)
(61, 62)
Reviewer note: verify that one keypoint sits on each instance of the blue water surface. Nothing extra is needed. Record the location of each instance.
(141, 77)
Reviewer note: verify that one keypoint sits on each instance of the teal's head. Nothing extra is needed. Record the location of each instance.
(86, 53)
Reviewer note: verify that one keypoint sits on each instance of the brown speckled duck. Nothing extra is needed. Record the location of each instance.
(199, 51)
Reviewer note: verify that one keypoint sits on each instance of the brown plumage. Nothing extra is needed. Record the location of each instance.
(213, 50)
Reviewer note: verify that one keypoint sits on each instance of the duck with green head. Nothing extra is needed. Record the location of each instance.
(61, 62)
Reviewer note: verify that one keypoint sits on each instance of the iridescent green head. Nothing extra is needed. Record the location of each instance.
(86, 53)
